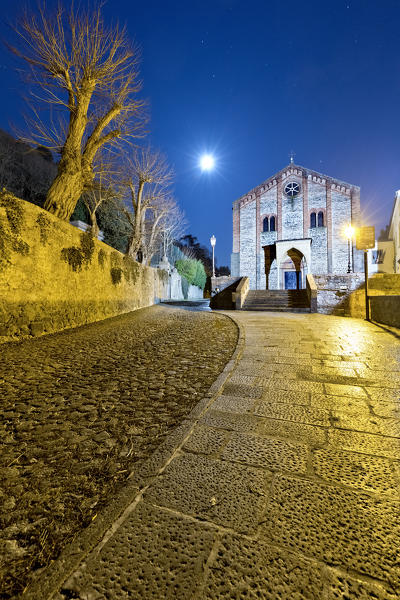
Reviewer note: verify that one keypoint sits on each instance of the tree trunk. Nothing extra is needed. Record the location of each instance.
(95, 226)
(63, 194)
(133, 245)
(135, 240)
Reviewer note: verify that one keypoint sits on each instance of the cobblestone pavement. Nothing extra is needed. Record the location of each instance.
(81, 410)
(285, 487)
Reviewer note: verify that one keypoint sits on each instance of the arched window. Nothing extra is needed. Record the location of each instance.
(272, 224)
(313, 220)
(265, 224)
(320, 219)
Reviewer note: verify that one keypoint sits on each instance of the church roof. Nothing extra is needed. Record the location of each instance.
(292, 169)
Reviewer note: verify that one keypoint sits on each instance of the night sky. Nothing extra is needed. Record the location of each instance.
(251, 81)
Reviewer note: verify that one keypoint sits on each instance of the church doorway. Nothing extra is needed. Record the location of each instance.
(293, 270)
(291, 282)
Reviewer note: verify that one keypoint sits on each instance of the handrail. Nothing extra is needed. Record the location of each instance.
(239, 295)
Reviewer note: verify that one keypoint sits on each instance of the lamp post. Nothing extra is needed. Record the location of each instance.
(212, 242)
(349, 232)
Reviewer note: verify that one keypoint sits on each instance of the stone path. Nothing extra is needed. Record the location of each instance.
(284, 487)
(81, 410)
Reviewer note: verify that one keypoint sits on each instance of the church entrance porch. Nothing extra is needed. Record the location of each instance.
(293, 270)
(293, 260)
(286, 264)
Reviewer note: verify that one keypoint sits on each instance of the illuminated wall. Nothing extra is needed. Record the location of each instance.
(53, 276)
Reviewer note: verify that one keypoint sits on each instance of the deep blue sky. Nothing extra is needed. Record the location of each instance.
(251, 80)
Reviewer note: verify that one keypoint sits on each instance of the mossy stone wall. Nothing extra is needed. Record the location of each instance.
(53, 276)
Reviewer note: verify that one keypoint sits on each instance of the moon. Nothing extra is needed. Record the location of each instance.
(207, 162)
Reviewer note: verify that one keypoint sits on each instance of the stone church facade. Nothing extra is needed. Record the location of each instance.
(293, 224)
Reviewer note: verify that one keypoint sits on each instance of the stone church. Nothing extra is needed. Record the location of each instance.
(293, 224)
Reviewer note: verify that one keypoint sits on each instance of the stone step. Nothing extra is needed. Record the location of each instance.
(272, 306)
(276, 309)
(277, 300)
(293, 294)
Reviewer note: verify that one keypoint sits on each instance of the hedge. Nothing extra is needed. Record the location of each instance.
(193, 271)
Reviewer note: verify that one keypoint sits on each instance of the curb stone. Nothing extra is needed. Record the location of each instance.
(47, 582)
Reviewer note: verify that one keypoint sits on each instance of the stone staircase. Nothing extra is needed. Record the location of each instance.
(279, 300)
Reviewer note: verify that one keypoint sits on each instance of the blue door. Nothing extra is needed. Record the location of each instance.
(291, 280)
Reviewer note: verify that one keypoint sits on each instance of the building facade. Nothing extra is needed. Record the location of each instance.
(394, 231)
(293, 224)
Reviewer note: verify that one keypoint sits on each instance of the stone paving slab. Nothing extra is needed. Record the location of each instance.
(299, 386)
(251, 569)
(226, 494)
(385, 409)
(276, 396)
(385, 395)
(369, 473)
(235, 404)
(370, 424)
(129, 565)
(297, 432)
(230, 421)
(354, 391)
(339, 527)
(246, 390)
(285, 486)
(246, 568)
(206, 440)
(367, 443)
(293, 412)
(271, 454)
(342, 404)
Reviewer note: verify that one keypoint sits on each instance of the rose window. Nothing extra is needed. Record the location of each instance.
(292, 189)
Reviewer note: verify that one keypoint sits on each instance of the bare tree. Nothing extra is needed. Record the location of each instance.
(104, 189)
(164, 222)
(148, 179)
(87, 73)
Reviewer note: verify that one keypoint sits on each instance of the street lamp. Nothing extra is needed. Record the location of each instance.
(349, 233)
(212, 242)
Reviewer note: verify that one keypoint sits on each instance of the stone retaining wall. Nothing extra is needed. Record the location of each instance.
(53, 276)
(345, 295)
(386, 310)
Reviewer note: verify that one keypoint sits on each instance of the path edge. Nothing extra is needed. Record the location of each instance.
(48, 581)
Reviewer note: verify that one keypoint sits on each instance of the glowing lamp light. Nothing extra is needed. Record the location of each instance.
(207, 162)
(349, 231)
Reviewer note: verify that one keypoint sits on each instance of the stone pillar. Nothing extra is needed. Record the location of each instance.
(356, 256)
(257, 240)
(329, 223)
(305, 206)
(235, 257)
(279, 206)
(236, 227)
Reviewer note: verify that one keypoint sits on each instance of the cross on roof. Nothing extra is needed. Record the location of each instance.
(292, 155)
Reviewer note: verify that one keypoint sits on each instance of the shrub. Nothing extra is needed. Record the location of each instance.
(193, 271)
(187, 268)
(201, 277)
